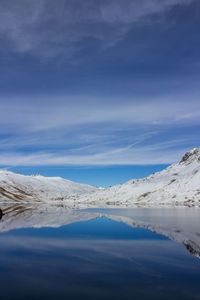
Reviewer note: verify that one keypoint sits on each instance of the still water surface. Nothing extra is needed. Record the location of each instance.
(98, 255)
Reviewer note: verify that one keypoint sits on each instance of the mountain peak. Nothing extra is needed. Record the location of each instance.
(191, 155)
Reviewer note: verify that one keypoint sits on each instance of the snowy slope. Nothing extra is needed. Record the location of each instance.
(15, 187)
(179, 184)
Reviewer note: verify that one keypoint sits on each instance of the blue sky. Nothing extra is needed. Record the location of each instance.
(98, 85)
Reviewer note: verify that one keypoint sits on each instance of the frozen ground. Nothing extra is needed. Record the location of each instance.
(178, 185)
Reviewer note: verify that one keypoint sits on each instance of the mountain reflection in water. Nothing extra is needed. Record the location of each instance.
(52, 252)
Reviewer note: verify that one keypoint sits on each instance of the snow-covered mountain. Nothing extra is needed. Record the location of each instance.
(179, 184)
(20, 188)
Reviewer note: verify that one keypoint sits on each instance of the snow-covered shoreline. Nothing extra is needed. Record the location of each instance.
(178, 185)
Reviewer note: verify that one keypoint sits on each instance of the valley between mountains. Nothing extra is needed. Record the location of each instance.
(178, 185)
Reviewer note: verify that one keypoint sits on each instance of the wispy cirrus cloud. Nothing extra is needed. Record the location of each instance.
(49, 29)
(162, 153)
(41, 113)
(89, 134)
(98, 82)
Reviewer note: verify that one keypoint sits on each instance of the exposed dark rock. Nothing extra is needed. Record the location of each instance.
(189, 154)
(173, 180)
(1, 214)
(192, 248)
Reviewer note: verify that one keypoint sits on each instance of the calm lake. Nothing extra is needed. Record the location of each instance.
(55, 253)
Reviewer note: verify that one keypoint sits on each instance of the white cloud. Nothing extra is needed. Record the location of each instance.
(133, 154)
(47, 28)
(42, 114)
(80, 130)
(103, 133)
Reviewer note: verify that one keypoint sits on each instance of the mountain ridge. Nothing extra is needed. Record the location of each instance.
(179, 184)
(18, 187)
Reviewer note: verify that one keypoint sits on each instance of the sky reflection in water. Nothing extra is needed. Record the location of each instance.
(95, 259)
